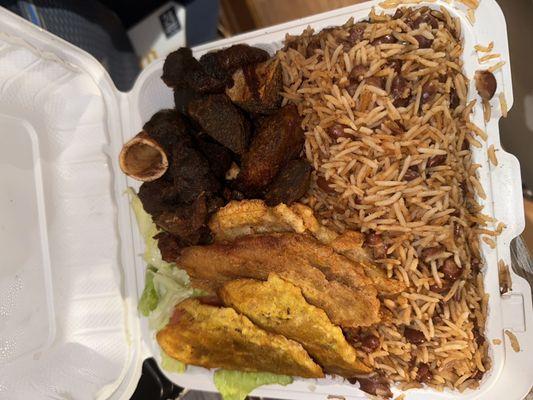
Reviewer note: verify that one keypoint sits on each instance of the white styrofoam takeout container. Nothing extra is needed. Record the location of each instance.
(71, 270)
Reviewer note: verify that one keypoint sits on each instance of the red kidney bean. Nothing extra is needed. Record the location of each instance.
(337, 131)
(414, 336)
(398, 87)
(485, 84)
(428, 91)
(454, 99)
(423, 374)
(423, 42)
(450, 270)
(411, 174)
(323, 184)
(383, 39)
(375, 81)
(437, 160)
(357, 73)
(430, 252)
(370, 343)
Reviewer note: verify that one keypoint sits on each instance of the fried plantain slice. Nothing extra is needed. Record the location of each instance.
(217, 337)
(240, 218)
(279, 306)
(328, 280)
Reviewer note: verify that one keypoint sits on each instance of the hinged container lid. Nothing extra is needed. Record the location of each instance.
(68, 321)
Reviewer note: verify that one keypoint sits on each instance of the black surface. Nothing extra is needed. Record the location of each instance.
(202, 16)
(88, 25)
(153, 385)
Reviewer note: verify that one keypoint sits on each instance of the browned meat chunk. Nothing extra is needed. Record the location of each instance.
(162, 199)
(218, 156)
(167, 127)
(256, 88)
(182, 98)
(221, 64)
(169, 245)
(188, 174)
(157, 195)
(279, 139)
(182, 70)
(290, 184)
(191, 173)
(221, 120)
(184, 221)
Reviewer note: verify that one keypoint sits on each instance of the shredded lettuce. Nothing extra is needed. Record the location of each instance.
(165, 284)
(148, 230)
(172, 286)
(170, 364)
(236, 385)
(149, 298)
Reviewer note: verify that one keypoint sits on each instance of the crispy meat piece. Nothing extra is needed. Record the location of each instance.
(223, 63)
(218, 156)
(279, 139)
(169, 245)
(257, 88)
(220, 119)
(177, 201)
(185, 220)
(290, 184)
(215, 337)
(279, 307)
(182, 70)
(191, 173)
(167, 128)
(188, 170)
(240, 218)
(156, 196)
(182, 98)
(328, 280)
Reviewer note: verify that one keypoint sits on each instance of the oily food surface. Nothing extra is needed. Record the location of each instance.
(281, 269)
(288, 313)
(388, 133)
(228, 137)
(328, 280)
(215, 337)
(243, 218)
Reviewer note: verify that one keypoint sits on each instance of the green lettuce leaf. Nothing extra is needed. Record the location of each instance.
(236, 385)
(170, 364)
(149, 298)
(148, 230)
(172, 287)
(166, 284)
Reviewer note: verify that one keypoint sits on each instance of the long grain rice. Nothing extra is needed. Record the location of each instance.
(491, 153)
(503, 104)
(488, 57)
(496, 67)
(405, 171)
